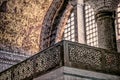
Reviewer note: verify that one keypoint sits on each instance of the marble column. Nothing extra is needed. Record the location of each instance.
(104, 14)
(106, 30)
(80, 22)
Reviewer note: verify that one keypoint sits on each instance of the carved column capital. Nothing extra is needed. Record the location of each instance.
(105, 22)
(103, 5)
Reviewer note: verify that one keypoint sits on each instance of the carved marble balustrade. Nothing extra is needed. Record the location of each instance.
(65, 53)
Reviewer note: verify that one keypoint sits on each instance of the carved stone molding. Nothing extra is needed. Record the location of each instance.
(47, 23)
(62, 23)
(54, 22)
(103, 5)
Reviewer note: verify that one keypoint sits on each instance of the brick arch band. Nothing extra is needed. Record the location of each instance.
(54, 23)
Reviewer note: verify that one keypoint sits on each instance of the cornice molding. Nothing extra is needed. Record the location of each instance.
(103, 5)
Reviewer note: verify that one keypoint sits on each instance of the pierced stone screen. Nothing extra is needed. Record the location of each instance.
(69, 32)
(91, 27)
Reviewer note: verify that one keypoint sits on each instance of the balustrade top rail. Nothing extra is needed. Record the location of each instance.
(64, 53)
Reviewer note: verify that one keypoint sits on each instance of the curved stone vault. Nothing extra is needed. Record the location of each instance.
(20, 24)
(26, 26)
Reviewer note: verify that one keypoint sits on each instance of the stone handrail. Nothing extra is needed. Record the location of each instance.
(64, 53)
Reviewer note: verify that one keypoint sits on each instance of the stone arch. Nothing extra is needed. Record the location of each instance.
(62, 24)
(54, 22)
(26, 26)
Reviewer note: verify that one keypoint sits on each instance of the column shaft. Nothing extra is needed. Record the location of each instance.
(106, 30)
(80, 22)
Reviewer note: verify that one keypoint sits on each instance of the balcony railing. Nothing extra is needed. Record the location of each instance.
(64, 53)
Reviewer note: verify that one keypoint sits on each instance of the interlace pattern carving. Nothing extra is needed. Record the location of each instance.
(43, 61)
(23, 70)
(111, 62)
(84, 55)
(47, 59)
(6, 75)
(74, 55)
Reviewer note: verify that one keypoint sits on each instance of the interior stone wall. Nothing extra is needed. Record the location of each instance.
(20, 24)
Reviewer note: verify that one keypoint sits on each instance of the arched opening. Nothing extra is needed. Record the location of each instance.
(54, 22)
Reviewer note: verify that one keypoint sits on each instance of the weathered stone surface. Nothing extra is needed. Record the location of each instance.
(52, 19)
(68, 54)
(118, 45)
(68, 73)
(103, 5)
(104, 10)
(106, 30)
(20, 24)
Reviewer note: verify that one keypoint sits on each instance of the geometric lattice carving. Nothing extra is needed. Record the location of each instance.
(23, 70)
(111, 62)
(65, 53)
(47, 59)
(84, 55)
(43, 61)
(6, 75)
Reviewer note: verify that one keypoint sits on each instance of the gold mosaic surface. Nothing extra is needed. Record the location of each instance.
(20, 24)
